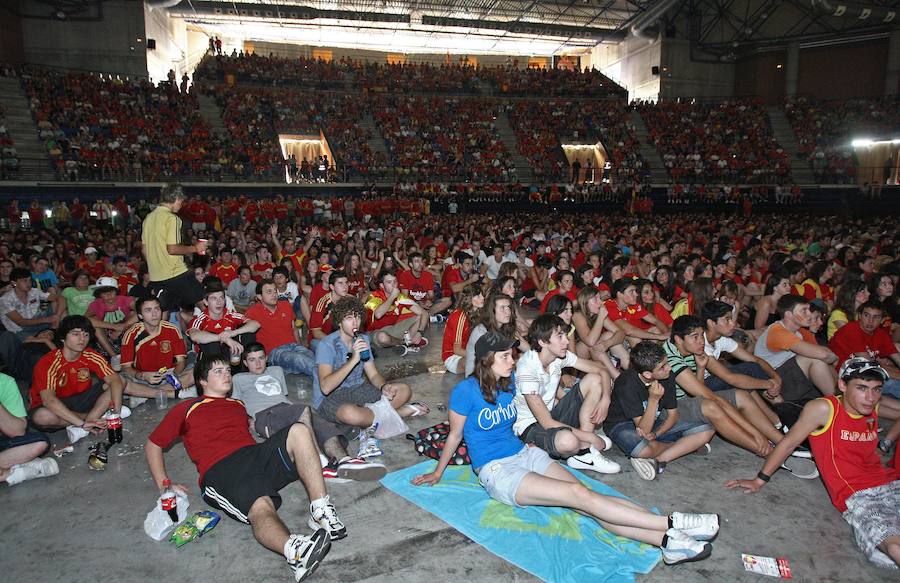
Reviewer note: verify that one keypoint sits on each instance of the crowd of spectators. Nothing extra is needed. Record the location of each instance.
(9, 156)
(730, 141)
(271, 71)
(414, 78)
(541, 82)
(442, 138)
(825, 130)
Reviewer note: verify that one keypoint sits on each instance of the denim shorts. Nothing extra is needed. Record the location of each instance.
(294, 359)
(501, 478)
(626, 437)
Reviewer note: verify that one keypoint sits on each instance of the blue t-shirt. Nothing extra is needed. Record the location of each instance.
(332, 350)
(44, 281)
(489, 428)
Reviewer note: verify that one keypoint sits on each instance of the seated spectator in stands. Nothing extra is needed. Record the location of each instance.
(220, 330)
(596, 332)
(627, 313)
(565, 285)
(242, 290)
(469, 303)
(44, 278)
(151, 350)
(644, 420)
(20, 448)
(733, 413)
(498, 315)
(111, 313)
(263, 390)
(62, 393)
(278, 333)
(79, 295)
(333, 286)
(344, 383)
(560, 421)
(806, 369)
(865, 337)
(418, 283)
(21, 310)
(458, 275)
(865, 492)
(124, 275)
(393, 318)
(518, 475)
(224, 268)
(243, 478)
(848, 297)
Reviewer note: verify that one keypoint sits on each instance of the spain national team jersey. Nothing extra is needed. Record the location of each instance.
(400, 311)
(53, 372)
(150, 352)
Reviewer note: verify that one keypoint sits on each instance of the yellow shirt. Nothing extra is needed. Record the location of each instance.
(836, 316)
(162, 227)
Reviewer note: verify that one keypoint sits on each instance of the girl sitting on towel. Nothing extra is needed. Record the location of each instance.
(482, 411)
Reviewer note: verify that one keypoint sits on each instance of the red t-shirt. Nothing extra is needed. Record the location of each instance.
(226, 273)
(850, 338)
(631, 314)
(211, 428)
(456, 330)
(66, 378)
(571, 294)
(151, 352)
(451, 275)
(416, 287)
(276, 327)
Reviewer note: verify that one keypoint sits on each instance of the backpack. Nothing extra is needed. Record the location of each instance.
(430, 442)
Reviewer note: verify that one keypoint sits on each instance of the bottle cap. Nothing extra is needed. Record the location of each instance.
(167, 483)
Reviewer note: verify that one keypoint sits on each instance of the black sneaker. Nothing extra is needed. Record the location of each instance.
(308, 553)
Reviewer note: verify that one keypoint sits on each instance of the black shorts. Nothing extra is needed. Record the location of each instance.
(566, 411)
(181, 291)
(234, 483)
(82, 402)
(27, 438)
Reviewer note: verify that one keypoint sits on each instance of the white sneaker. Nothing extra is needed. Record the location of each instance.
(76, 434)
(39, 468)
(136, 401)
(188, 393)
(646, 468)
(606, 441)
(308, 552)
(594, 461)
(680, 548)
(696, 526)
(323, 515)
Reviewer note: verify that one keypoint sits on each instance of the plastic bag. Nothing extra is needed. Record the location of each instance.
(389, 423)
(158, 525)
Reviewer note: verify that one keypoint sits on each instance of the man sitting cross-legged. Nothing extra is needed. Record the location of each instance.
(19, 447)
(151, 346)
(645, 419)
(264, 393)
(843, 432)
(345, 383)
(243, 478)
(561, 422)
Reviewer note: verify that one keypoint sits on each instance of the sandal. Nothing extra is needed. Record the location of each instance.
(419, 408)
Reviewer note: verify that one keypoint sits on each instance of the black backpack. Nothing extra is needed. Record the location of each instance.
(430, 442)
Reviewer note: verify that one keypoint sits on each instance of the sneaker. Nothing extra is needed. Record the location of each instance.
(330, 473)
(308, 552)
(188, 393)
(76, 434)
(705, 450)
(885, 445)
(594, 461)
(136, 401)
(39, 468)
(802, 451)
(369, 445)
(437, 319)
(420, 344)
(360, 470)
(323, 515)
(606, 441)
(680, 548)
(697, 526)
(646, 468)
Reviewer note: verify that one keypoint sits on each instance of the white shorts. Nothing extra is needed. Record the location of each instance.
(452, 363)
(501, 478)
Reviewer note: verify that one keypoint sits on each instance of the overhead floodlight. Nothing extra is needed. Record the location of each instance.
(862, 143)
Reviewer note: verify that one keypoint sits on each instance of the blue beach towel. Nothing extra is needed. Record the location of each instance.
(554, 544)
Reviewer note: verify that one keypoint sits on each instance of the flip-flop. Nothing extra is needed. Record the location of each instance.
(419, 408)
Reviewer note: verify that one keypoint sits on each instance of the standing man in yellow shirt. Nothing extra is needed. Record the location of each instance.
(170, 279)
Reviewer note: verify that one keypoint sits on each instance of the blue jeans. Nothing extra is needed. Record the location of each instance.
(626, 437)
(750, 369)
(294, 359)
(891, 389)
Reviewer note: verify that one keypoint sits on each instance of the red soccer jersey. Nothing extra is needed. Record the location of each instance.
(416, 287)
(631, 314)
(571, 294)
(66, 378)
(151, 352)
(276, 327)
(226, 273)
(451, 275)
(228, 321)
(845, 454)
(456, 331)
(401, 310)
(850, 339)
(211, 428)
(319, 310)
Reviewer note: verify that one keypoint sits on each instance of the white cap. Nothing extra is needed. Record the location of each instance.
(90, 250)
(107, 282)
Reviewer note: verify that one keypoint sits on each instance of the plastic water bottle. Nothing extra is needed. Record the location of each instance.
(169, 502)
(365, 355)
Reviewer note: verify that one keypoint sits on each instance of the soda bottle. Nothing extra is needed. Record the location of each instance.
(169, 502)
(114, 427)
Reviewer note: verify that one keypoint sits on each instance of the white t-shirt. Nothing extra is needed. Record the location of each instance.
(532, 379)
(715, 350)
(493, 267)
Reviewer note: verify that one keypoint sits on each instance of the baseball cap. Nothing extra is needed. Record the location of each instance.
(105, 284)
(90, 250)
(493, 342)
(855, 366)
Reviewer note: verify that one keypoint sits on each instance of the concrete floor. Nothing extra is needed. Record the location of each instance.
(84, 526)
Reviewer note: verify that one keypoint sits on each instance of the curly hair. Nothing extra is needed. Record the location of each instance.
(346, 306)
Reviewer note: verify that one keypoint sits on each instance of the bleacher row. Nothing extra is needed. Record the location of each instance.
(433, 125)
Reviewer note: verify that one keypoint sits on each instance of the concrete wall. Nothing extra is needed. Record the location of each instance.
(171, 50)
(761, 76)
(11, 50)
(844, 71)
(109, 44)
(684, 77)
(630, 64)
